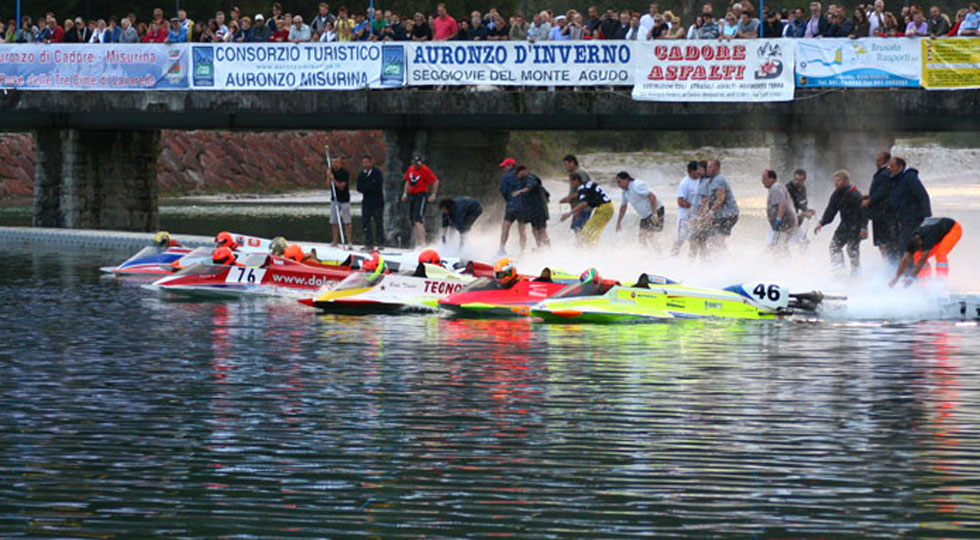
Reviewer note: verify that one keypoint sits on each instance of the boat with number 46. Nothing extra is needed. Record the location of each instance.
(652, 299)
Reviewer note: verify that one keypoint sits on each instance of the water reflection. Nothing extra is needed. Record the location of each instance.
(125, 414)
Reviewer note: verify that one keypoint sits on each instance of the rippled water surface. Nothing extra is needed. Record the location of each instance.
(124, 414)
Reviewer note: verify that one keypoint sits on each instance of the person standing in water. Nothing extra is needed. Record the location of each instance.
(845, 200)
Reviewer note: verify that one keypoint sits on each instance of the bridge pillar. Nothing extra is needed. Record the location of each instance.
(464, 161)
(96, 179)
(821, 153)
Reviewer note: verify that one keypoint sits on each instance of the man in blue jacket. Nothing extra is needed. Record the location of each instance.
(909, 199)
(880, 211)
(510, 183)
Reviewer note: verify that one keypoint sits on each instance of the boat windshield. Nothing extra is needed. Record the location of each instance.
(254, 259)
(482, 284)
(357, 280)
(584, 289)
(200, 269)
(148, 251)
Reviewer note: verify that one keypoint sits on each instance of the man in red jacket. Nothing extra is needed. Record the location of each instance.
(418, 178)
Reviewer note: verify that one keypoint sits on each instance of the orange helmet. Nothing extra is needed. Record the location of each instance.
(224, 239)
(223, 255)
(430, 256)
(505, 271)
(294, 252)
(372, 264)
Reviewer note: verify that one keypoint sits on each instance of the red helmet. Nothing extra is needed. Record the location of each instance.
(372, 264)
(430, 256)
(294, 252)
(223, 255)
(224, 239)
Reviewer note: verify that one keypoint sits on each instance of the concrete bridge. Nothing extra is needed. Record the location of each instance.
(97, 151)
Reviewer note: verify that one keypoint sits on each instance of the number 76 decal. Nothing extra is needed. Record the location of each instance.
(241, 274)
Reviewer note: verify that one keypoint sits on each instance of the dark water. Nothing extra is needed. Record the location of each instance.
(126, 415)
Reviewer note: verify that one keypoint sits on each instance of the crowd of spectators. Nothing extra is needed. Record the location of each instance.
(740, 21)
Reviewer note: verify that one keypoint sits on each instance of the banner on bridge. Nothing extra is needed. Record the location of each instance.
(858, 63)
(58, 66)
(950, 64)
(297, 66)
(516, 63)
(743, 70)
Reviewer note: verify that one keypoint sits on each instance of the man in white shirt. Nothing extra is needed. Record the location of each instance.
(638, 194)
(647, 21)
(687, 196)
(876, 18)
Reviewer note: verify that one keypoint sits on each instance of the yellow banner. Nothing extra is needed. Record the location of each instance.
(950, 63)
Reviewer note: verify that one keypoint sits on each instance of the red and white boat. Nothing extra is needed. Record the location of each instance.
(256, 274)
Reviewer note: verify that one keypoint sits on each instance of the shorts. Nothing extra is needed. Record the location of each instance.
(511, 214)
(469, 219)
(537, 222)
(416, 209)
(647, 223)
(342, 208)
(724, 225)
(683, 229)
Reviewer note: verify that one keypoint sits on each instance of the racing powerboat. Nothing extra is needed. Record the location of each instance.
(256, 274)
(488, 297)
(658, 299)
(167, 259)
(419, 291)
(151, 260)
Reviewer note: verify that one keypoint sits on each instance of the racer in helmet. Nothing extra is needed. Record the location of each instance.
(375, 267)
(428, 256)
(224, 239)
(278, 246)
(163, 240)
(223, 256)
(590, 281)
(294, 252)
(505, 272)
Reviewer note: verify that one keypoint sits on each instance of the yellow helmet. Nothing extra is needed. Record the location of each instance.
(162, 239)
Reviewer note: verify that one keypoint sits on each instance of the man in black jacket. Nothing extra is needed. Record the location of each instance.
(370, 183)
(909, 199)
(884, 223)
(853, 227)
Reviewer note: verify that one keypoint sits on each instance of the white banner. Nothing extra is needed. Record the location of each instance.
(297, 66)
(856, 63)
(514, 63)
(738, 70)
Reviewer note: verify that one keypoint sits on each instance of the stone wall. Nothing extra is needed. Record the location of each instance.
(198, 162)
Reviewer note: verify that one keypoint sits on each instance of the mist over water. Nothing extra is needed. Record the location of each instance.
(948, 174)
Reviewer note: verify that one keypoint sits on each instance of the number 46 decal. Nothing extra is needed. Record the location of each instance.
(241, 274)
(762, 292)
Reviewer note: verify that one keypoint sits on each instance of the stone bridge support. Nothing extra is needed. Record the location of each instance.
(96, 179)
(464, 161)
(822, 153)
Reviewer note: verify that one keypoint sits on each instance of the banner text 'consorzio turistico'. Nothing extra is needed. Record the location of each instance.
(449, 54)
(298, 53)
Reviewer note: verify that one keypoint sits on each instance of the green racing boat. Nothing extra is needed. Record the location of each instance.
(656, 298)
